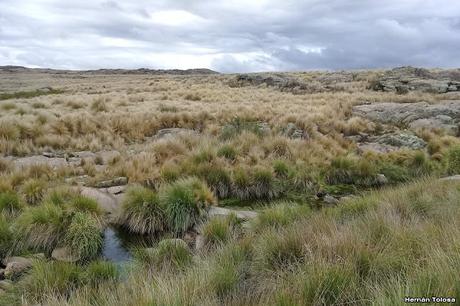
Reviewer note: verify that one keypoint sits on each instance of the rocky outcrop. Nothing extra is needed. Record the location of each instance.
(405, 79)
(443, 116)
(294, 132)
(391, 142)
(279, 81)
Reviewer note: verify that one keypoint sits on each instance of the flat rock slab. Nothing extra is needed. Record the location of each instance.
(107, 201)
(223, 212)
(444, 115)
(53, 162)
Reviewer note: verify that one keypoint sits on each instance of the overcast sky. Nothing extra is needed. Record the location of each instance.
(230, 35)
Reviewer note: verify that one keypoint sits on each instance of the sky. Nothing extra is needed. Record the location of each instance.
(230, 35)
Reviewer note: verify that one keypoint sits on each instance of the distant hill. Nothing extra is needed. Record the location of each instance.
(201, 71)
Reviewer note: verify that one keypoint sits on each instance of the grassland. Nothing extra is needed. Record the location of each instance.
(381, 242)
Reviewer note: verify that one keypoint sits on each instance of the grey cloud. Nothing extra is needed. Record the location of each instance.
(230, 36)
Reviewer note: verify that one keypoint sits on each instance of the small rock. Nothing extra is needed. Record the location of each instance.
(107, 202)
(330, 200)
(381, 179)
(223, 212)
(116, 189)
(189, 237)
(347, 198)
(199, 242)
(293, 132)
(15, 266)
(451, 178)
(114, 182)
(74, 161)
(64, 254)
(79, 180)
(6, 285)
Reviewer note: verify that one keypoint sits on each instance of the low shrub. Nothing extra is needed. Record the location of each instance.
(141, 211)
(184, 202)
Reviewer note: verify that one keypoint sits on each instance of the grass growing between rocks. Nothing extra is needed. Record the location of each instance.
(373, 249)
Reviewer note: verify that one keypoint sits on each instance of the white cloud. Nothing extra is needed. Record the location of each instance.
(230, 35)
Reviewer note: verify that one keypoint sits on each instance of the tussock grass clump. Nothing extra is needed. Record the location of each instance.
(33, 191)
(50, 278)
(237, 125)
(42, 226)
(227, 151)
(228, 269)
(83, 236)
(9, 130)
(217, 178)
(60, 195)
(100, 271)
(219, 230)
(169, 253)
(99, 105)
(5, 165)
(141, 211)
(346, 170)
(453, 160)
(10, 204)
(255, 184)
(280, 215)
(279, 249)
(6, 236)
(86, 205)
(184, 202)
